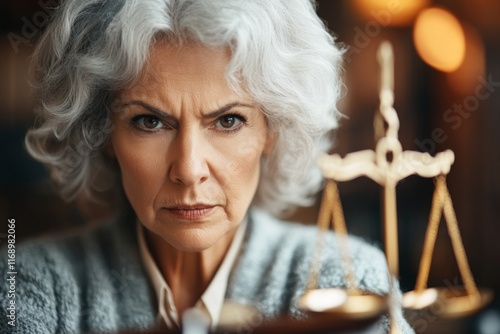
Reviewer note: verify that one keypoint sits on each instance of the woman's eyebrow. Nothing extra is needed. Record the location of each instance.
(153, 110)
(227, 107)
(163, 114)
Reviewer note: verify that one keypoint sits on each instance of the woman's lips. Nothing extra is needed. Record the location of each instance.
(191, 212)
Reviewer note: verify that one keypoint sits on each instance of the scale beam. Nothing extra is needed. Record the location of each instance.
(366, 163)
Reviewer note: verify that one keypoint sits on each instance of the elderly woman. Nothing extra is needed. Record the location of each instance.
(199, 121)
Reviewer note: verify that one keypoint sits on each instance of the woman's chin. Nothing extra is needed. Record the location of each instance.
(193, 239)
(192, 245)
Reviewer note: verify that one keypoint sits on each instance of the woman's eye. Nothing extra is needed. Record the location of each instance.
(147, 122)
(229, 122)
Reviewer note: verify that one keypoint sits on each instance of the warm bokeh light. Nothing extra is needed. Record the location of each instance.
(390, 12)
(439, 39)
(323, 300)
(465, 79)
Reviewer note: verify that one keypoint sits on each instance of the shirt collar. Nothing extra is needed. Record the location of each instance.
(214, 295)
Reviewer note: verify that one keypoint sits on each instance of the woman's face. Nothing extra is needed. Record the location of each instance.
(189, 149)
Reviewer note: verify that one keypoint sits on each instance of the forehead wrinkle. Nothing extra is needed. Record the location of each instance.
(170, 86)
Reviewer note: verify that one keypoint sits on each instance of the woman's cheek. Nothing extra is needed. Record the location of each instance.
(240, 173)
(142, 171)
(243, 152)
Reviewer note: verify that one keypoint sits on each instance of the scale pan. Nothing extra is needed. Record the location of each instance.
(446, 302)
(343, 303)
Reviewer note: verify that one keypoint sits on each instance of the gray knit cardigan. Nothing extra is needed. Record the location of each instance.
(94, 281)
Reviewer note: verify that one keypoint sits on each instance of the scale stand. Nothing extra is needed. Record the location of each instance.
(388, 165)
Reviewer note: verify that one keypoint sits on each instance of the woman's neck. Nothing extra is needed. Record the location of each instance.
(188, 274)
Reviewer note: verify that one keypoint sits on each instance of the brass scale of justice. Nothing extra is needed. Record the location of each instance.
(351, 303)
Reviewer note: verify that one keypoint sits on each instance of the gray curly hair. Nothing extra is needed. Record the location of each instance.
(281, 53)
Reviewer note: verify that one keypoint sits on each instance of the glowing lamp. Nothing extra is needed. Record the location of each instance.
(439, 39)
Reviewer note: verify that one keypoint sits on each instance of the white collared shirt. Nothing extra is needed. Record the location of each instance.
(210, 302)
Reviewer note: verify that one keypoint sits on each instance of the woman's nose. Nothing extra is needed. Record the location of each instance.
(187, 159)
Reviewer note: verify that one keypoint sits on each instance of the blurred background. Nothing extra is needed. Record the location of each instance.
(447, 86)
